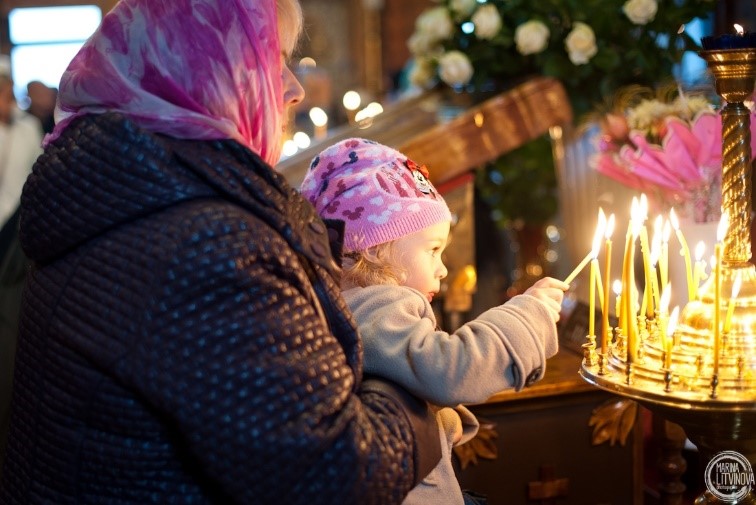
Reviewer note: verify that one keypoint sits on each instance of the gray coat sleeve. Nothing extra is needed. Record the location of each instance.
(505, 347)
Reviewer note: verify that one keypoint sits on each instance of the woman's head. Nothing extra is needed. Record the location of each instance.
(195, 69)
(380, 194)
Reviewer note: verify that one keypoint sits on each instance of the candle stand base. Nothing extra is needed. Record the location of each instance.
(708, 499)
(713, 425)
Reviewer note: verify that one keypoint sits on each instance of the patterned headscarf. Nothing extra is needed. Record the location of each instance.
(191, 69)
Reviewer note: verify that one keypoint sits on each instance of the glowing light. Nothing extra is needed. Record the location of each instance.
(318, 116)
(307, 62)
(302, 140)
(351, 100)
(289, 148)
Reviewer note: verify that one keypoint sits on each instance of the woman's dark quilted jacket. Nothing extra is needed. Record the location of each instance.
(172, 349)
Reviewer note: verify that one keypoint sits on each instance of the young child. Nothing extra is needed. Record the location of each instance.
(396, 228)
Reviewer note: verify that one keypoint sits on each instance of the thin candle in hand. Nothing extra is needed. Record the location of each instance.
(591, 254)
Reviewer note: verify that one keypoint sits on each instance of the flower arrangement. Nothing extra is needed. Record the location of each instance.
(594, 47)
(668, 145)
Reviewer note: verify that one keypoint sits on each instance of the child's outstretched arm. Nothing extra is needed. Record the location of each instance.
(551, 292)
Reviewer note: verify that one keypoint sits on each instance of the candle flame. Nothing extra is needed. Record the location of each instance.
(636, 226)
(681, 29)
(597, 241)
(700, 249)
(617, 287)
(655, 254)
(738, 29)
(658, 223)
(736, 286)
(634, 211)
(643, 206)
(713, 262)
(673, 220)
(609, 227)
(672, 324)
(667, 231)
(724, 223)
(665, 297)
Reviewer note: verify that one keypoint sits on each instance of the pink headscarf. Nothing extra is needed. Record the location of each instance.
(191, 69)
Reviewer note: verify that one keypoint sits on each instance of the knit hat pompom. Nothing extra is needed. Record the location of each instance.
(378, 192)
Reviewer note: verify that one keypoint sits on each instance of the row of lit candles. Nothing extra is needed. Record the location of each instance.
(656, 298)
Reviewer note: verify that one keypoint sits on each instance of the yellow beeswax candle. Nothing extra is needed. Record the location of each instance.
(669, 332)
(685, 251)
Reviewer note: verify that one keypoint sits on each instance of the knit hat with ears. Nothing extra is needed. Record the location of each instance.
(378, 192)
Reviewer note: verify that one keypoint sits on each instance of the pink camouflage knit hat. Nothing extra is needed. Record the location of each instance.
(378, 192)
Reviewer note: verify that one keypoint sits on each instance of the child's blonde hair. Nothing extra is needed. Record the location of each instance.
(375, 265)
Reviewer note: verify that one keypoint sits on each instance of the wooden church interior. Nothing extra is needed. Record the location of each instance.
(561, 441)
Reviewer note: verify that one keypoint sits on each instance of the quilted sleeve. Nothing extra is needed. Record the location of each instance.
(259, 390)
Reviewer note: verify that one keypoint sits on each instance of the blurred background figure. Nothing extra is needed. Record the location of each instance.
(20, 145)
(42, 100)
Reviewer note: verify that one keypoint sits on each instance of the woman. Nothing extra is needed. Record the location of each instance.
(182, 336)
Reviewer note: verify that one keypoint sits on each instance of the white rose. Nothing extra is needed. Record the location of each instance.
(422, 73)
(455, 68)
(581, 43)
(435, 23)
(640, 12)
(487, 21)
(532, 37)
(462, 8)
(420, 43)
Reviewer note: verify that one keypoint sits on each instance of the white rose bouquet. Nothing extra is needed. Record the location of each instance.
(594, 47)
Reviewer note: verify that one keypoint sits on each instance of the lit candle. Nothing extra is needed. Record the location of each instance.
(593, 252)
(721, 231)
(617, 288)
(699, 267)
(629, 300)
(739, 40)
(668, 334)
(319, 120)
(731, 303)
(656, 242)
(665, 298)
(664, 261)
(351, 102)
(593, 273)
(684, 251)
(607, 267)
(654, 287)
(646, 252)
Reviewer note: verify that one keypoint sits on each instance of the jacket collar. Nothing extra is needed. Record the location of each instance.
(104, 171)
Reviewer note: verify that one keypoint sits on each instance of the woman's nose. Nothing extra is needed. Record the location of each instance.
(293, 90)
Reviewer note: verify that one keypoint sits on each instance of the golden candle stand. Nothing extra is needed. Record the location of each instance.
(715, 403)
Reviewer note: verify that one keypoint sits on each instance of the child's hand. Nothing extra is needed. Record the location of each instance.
(551, 292)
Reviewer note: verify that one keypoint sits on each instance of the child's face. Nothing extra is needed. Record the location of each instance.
(419, 256)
